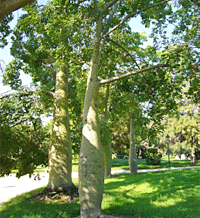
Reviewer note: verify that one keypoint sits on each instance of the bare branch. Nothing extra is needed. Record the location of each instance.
(106, 7)
(112, 79)
(21, 121)
(132, 15)
(2, 66)
(125, 51)
(196, 64)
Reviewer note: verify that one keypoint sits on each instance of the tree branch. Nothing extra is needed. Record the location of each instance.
(21, 121)
(106, 7)
(132, 15)
(112, 79)
(125, 51)
(8, 6)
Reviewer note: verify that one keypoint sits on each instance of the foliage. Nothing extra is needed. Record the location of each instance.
(5, 30)
(153, 157)
(41, 44)
(183, 128)
(22, 148)
(23, 139)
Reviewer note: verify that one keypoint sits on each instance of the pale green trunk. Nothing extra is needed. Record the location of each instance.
(132, 150)
(107, 152)
(91, 167)
(60, 152)
(106, 142)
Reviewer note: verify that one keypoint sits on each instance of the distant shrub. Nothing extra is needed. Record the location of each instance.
(153, 157)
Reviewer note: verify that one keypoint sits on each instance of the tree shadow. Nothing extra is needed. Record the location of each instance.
(158, 194)
(21, 207)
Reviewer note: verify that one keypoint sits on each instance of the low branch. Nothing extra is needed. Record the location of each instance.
(132, 15)
(15, 94)
(112, 79)
(8, 6)
(25, 94)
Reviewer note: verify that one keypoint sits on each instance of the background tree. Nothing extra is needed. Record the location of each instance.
(183, 129)
(42, 48)
(23, 139)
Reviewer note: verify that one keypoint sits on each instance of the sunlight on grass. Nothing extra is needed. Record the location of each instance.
(167, 194)
(165, 201)
(145, 188)
(160, 194)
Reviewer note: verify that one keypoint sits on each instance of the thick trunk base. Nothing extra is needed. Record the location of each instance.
(60, 195)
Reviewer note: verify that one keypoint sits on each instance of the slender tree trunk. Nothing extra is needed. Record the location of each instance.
(107, 152)
(193, 156)
(106, 141)
(60, 152)
(91, 167)
(132, 150)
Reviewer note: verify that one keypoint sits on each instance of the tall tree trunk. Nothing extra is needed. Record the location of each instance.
(91, 167)
(105, 139)
(60, 152)
(132, 150)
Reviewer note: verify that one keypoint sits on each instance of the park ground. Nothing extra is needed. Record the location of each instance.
(157, 193)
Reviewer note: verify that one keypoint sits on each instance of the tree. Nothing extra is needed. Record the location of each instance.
(91, 154)
(108, 17)
(44, 51)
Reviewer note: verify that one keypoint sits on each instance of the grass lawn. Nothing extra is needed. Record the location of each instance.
(122, 164)
(166, 194)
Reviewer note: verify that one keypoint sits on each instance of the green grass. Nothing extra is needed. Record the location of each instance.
(122, 164)
(159, 194)
(166, 194)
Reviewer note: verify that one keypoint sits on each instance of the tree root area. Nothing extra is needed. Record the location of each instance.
(69, 195)
(106, 216)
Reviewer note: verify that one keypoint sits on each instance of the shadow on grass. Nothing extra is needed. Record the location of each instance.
(20, 207)
(166, 194)
(159, 194)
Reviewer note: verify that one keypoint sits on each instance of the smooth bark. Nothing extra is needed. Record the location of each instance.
(8, 6)
(60, 152)
(132, 150)
(91, 167)
(107, 152)
(106, 141)
(115, 78)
